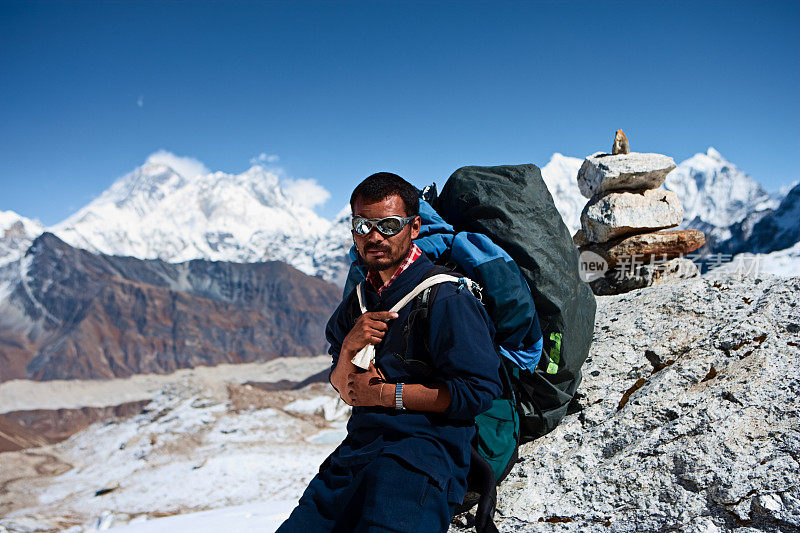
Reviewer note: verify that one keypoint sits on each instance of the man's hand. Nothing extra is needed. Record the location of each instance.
(368, 388)
(368, 329)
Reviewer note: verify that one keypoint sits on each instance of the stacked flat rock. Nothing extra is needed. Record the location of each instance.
(627, 217)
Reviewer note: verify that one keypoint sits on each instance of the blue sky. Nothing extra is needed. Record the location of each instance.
(339, 90)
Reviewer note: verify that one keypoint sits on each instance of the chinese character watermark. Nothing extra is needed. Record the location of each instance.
(594, 266)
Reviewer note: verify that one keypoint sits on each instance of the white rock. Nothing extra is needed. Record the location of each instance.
(770, 502)
(620, 213)
(690, 446)
(603, 172)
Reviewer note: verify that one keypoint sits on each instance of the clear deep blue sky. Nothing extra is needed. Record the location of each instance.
(339, 90)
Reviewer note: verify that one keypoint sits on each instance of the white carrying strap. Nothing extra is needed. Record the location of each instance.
(366, 355)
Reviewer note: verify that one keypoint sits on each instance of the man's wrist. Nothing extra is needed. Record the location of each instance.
(387, 395)
(347, 355)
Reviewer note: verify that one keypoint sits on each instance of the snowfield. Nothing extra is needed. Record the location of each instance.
(264, 516)
(190, 450)
(779, 263)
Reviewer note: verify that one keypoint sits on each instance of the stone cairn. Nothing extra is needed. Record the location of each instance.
(623, 241)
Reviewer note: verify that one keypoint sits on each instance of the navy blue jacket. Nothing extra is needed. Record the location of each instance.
(463, 357)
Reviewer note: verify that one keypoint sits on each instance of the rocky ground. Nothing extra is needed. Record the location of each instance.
(688, 417)
(687, 421)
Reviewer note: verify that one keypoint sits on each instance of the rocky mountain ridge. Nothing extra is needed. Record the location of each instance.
(778, 230)
(73, 314)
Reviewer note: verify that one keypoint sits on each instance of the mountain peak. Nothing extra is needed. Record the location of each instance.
(175, 209)
(188, 167)
(12, 218)
(16, 234)
(714, 154)
(715, 194)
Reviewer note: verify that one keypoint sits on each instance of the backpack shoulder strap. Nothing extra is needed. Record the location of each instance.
(367, 354)
(360, 295)
(417, 322)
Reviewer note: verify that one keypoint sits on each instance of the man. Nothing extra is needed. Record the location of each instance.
(404, 462)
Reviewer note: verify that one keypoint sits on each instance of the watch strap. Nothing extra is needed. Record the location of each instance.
(398, 397)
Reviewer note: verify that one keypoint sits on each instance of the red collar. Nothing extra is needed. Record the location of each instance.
(375, 278)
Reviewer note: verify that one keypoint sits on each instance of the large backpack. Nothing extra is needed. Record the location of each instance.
(500, 227)
(513, 207)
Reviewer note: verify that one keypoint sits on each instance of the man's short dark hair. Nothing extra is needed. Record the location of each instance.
(384, 184)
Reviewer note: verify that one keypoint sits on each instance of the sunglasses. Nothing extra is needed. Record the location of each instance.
(387, 226)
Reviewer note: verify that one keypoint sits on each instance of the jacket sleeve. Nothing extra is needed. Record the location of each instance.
(464, 353)
(335, 332)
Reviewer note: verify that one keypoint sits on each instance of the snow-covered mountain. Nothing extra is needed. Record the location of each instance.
(560, 174)
(16, 235)
(175, 209)
(779, 230)
(159, 211)
(330, 256)
(719, 199)
(773, 246)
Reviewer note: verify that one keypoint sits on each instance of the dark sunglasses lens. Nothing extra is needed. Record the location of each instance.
(390, 226)
(361, 226)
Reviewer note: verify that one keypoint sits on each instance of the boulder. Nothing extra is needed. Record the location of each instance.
(686, 420)
(601, 172)
(632, 276)
(579, 239)
(659, 245)
(621, 213)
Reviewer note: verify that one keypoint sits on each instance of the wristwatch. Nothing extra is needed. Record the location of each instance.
(398, 397)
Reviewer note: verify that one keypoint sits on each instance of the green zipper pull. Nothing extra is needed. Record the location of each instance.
(555, 353)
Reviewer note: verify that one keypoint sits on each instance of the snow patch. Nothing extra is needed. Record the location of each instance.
(780, 263)
(561, 176)
(262, 516)
(186, 452)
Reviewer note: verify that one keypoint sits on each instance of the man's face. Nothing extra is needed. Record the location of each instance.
(378, 251)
